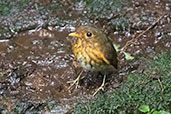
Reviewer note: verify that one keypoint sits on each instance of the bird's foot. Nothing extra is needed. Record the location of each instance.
(101, 87)
(98, 89)
(76, 81)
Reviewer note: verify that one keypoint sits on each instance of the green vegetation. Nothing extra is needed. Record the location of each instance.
(121, 23)
(95, 7)
(8, 7)
(127, 55)
(112, 7)
(146, 109)
(153, 88)
(28, 107)
(110, 12)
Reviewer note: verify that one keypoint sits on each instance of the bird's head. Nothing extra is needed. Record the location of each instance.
(86, 32)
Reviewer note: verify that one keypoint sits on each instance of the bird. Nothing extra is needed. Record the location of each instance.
(94, 51)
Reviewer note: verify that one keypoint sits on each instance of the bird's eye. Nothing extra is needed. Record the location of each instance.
(89, 34)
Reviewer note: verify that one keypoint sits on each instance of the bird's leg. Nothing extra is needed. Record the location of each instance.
(76, 81)
(101, 87)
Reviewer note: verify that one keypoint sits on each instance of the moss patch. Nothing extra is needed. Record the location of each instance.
(8, 7)
(152, 88)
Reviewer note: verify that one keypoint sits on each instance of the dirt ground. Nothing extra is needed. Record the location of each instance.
(36, 63)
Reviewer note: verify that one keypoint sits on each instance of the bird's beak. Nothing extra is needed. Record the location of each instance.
(74, 34)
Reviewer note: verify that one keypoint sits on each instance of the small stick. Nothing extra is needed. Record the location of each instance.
(21, 45)
(162, 89)
(150, 27)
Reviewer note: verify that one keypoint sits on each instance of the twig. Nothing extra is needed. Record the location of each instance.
(143, 81)
(21, 45)
(162, 89)
(132, 40)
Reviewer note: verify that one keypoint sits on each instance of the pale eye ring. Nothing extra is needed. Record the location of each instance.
(89, 34)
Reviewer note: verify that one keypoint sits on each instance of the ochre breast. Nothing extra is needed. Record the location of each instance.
(88, 56)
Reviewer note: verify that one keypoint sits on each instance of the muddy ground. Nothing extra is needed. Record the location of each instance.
(36, 59)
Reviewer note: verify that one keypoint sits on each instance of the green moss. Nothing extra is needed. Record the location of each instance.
(121, 23)
(104, 9)
(28, 108)
(138, 90)
(8, 7)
